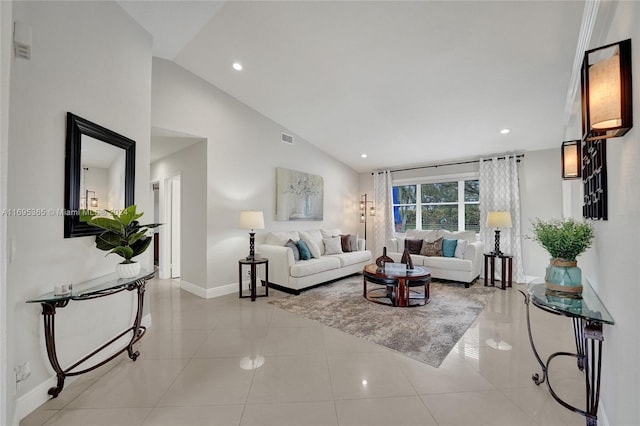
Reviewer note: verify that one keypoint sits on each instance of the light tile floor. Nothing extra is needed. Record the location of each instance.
(196, 365)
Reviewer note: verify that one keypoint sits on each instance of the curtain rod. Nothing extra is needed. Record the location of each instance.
(435, 166)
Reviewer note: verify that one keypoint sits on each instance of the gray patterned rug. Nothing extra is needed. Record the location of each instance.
(426, 333)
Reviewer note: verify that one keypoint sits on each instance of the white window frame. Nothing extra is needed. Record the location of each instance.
(459, 177)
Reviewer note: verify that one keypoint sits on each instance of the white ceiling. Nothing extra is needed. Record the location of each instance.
(404, 82)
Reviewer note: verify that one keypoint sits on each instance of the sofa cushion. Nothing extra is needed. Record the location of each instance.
(413, 245)
(281, 238)
(352, 258)
(458, 235)
(305, 254)
(314, 266)
(449, 247)
(461, 247)
(448, 263)
(422, 235)
(431, 248)
(315, 236)
(332, 245)
(329, 233)
(294, 247)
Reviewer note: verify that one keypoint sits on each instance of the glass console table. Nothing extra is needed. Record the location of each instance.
(588, 315)
(92, 289)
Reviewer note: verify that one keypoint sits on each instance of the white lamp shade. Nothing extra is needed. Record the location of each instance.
(499, 220)
(251, 219)
(605, 105)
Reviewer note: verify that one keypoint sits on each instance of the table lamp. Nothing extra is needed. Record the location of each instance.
(251, 220)
(498, 220)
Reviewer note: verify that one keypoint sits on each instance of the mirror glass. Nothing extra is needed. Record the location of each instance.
(99, 174)
(102, 177)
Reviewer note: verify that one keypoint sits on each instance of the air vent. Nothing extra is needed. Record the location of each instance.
(286, 138)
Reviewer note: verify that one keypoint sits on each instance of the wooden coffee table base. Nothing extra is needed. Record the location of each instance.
(397, 290)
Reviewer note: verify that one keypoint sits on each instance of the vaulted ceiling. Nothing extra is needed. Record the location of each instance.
(403, 82)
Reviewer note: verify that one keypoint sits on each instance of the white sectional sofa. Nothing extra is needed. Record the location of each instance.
(464, 267)
(287, 274)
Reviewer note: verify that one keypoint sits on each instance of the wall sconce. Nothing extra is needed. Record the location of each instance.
(498, 220)
(606, 91)
(571, 159)
(93, 201)
(251, 220)
(366, 210)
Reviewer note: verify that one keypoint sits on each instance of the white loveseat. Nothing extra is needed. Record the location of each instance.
(287, 274)
(465, 268)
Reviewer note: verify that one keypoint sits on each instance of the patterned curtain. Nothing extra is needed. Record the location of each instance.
(383, 219)
(499, 191)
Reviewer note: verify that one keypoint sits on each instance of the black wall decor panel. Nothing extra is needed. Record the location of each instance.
(594, 179)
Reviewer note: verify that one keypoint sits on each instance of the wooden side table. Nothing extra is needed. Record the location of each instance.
(507, 269)
(253, 263)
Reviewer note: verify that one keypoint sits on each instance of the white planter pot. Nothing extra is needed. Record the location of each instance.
(128, 270)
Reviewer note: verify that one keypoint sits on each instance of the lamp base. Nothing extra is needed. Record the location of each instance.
(496, 249)
(252, 252)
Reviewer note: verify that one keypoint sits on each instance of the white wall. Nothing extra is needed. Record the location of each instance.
(7, 391)
(244, 150)
(614, 265)
(540, 197)
(191, 164)
(109, 85)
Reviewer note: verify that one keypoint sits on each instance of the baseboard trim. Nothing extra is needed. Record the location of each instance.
(37, 396)
(208, 293)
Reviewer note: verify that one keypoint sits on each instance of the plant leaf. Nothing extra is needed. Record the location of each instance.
(140, 246)
(125, 252)
(107, 240)
(107, 224)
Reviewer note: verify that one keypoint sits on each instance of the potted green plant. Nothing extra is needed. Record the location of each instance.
(123, 235)
(565, 240)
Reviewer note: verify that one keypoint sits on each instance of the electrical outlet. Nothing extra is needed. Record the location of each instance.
(249, 273)
(23, 371)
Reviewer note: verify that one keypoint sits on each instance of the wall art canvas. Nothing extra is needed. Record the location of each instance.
(299, 195)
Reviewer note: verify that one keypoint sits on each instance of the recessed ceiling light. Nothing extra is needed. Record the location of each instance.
(504, 131)
(237, 66)
(363, 155)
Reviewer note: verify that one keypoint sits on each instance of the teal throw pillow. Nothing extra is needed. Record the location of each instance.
(449, 247)
(305, 254)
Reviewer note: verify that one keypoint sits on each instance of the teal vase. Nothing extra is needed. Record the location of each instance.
(564, 277)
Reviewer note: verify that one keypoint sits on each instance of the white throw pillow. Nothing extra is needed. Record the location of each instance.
(330, 233)
(313, 247)
(315, 236)
(460, 249)
(332, 245)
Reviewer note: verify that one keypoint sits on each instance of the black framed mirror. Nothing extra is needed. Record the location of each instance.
(99, 173)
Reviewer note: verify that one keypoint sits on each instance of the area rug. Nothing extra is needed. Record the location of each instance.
(426, 333)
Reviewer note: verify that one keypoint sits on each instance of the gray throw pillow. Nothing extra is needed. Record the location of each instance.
(353, 242)
(294, 247)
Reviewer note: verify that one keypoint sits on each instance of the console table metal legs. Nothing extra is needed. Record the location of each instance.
(588, 339)
(49, 314)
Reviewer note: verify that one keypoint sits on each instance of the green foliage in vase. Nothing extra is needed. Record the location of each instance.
(123, 235)
(563, 238)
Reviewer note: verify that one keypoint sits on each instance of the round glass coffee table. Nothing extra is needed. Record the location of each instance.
(397, 286)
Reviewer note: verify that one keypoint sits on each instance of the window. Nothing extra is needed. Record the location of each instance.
(453, 206)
